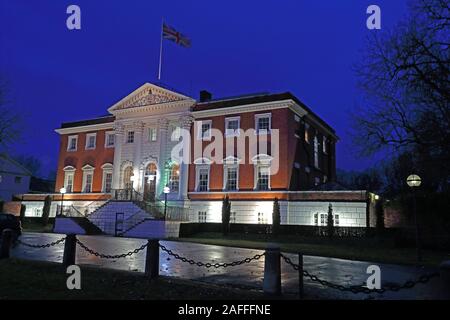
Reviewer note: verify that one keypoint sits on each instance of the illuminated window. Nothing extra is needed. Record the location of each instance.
(307, 132)
(174, 178)
(69, 173)
(127, 174)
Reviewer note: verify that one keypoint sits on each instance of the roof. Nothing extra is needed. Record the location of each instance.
(9, 165)
(262, 98)
(80, 123)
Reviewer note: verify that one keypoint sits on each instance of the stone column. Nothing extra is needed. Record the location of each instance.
(185, 124)
(163, 137)
(137, 157)
(118, 141)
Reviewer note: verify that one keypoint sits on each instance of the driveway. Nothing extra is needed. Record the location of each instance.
(339, 271)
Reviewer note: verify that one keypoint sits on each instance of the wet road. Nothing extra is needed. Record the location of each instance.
(344, 272)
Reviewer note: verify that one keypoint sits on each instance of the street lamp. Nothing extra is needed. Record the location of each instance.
(414, 181)
(166, 191)
(62, 191)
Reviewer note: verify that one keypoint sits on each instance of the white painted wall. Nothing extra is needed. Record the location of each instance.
(351, 214)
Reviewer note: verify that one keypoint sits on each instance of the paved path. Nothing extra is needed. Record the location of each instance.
(345, 272)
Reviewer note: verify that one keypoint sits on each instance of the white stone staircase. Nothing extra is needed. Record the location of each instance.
(105, 217)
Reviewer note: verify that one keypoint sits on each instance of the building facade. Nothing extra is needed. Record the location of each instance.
(14, 178)
(253, 149)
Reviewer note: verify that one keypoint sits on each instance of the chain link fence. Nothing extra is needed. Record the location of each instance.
(41, 246)
(423, 279)
(109, 256)
(208, 264)
(360, 289)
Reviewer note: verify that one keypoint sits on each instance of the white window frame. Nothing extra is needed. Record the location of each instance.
(200, 124)
(88, 137)
(152, 137)
(236, 132)
(257, 168)
(128, 136)
(198, 169)
(259, 116)
(69, 171)
(87, 169)
(107, 135)
(69, 139)
(175, 133)
(225, 176)
(107, 169)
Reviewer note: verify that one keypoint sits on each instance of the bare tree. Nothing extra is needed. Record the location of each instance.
(8, 118)
(405, 78)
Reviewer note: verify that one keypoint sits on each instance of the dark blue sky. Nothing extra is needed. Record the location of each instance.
(238, 47)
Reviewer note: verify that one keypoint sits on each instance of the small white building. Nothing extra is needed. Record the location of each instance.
(14, 178)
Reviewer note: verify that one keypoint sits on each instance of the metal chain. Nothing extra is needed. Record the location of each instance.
(108, 256)
(359, 289)
(42, 245)
(208, 264)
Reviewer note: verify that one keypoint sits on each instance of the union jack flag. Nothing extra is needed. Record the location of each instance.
(170, 33)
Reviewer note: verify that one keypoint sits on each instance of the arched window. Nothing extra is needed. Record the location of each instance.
(150, 170)
(127, 174)
(174, 178)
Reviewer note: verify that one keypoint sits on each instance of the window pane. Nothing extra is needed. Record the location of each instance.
(263, 178)
(108, 182)
(174, 178)
(110, 140)
(231, 176)
(203, 180)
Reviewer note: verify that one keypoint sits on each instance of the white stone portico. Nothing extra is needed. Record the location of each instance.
(144, 123)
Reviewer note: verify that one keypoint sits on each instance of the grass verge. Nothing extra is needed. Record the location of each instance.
(355, 250)
(30, 280)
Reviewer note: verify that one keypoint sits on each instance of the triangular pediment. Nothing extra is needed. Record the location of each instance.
(148, 95)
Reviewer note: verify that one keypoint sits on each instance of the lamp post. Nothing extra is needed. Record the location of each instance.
(166, 191)
(414, 181)
(62, 191)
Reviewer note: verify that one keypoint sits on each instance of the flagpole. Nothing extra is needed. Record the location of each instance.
(160, 50)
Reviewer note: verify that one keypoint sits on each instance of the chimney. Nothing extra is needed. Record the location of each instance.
(205, 96)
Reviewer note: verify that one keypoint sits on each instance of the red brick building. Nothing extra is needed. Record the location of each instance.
(279, 149)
